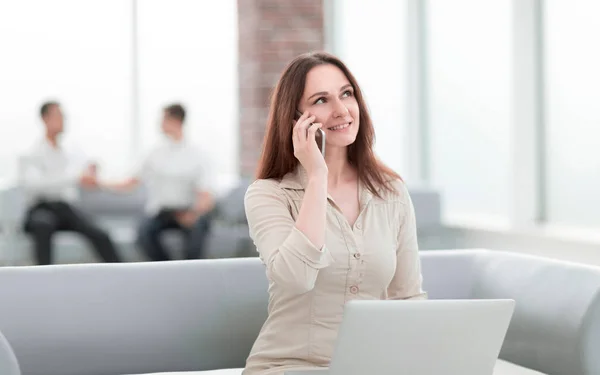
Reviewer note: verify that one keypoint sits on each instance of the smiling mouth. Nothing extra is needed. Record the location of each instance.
(340, 127)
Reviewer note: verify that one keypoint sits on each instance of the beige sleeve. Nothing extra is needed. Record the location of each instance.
(407, 282)
(292, 261)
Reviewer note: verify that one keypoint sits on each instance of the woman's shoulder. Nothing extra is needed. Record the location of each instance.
(397, 192)
(263, 188)
(265, 184)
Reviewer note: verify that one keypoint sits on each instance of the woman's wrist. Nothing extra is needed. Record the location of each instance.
(318, 176)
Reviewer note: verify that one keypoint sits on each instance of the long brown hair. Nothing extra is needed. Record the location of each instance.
(278, 158)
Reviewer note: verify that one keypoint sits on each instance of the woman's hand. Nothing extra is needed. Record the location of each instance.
(305, 145)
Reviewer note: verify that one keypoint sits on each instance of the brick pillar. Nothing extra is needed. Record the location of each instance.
(271, 33)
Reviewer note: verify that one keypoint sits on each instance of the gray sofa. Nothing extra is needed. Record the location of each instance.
(143, 317)
(8, 361)
(120, 213)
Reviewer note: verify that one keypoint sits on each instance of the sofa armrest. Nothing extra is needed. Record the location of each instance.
(8, 361)
(556, 325)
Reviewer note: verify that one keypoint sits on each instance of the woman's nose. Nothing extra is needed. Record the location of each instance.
(340, 109)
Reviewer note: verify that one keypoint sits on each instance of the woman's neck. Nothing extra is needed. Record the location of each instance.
(338, 166)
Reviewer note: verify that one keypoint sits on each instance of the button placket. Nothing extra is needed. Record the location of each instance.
(353, 243)
(358, 255)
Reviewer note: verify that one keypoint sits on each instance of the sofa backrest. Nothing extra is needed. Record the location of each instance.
(108, 319)
(449, 274)
(99, 202)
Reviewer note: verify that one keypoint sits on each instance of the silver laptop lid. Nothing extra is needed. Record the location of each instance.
(427, 337)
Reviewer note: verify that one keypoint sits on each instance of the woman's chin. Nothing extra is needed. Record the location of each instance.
(340, 140)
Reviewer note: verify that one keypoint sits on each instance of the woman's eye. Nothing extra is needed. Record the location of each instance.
(320, 101)
(347, 93)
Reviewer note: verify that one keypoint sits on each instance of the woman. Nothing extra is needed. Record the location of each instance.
(329, 229)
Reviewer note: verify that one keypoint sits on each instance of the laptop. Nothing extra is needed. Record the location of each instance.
(425, 337)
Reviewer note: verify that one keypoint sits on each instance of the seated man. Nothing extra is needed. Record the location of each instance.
(176, 178)
(50, 177)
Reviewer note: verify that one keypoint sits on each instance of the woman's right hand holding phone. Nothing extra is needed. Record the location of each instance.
(305, 146)
(311, 219)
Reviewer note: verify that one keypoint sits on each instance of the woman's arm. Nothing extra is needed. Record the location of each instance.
(293, 251)
(407, 282)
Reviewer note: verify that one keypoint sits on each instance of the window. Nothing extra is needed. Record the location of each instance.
(377, 57)
(188, 54)
(572, 63)
(63, 50)
(468, 55)
(113, 75)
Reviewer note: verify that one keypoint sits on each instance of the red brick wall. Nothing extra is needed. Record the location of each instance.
(271, 33)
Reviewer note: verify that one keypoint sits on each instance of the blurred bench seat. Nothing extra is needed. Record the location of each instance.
(120, 214)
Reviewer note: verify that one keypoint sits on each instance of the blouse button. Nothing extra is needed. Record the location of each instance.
(353, 289)
(357, 255)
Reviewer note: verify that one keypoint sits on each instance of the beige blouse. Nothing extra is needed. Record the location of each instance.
(377, 258)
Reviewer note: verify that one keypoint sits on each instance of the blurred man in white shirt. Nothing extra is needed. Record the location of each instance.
(176, 176)
(50, 178)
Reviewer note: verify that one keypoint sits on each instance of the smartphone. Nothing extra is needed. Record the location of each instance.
(319, 136)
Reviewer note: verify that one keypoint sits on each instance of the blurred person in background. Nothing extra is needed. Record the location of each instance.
(50, 177)
(329, 229)
(175, 173)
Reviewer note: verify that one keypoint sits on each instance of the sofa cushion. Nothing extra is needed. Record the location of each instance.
(233, 371)
(508, 368)
(502, 368)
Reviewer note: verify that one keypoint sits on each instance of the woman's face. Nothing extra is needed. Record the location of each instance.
(329, 96)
